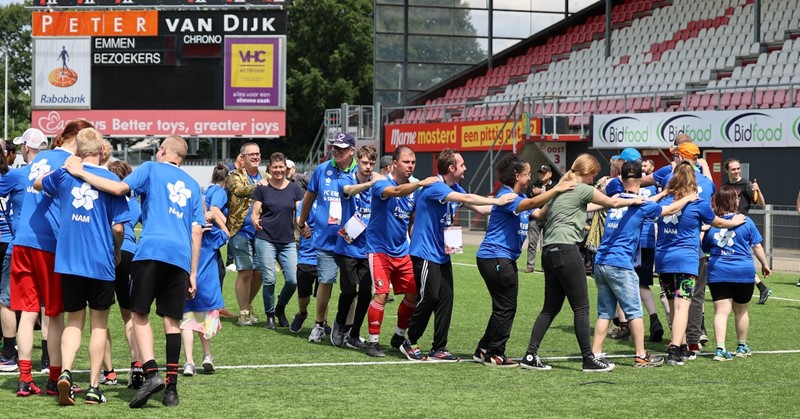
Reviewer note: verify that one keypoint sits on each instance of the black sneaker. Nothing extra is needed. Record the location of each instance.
(45, 365)
(674, 356)
(592, 363)
(397, 341)
(65, 395)
(297, 323)
(355, 342)
(479, 355)
(499, 361)
(280, 314)
(374, 349)
(412, 352)
(149, 387)
(136, 377)
(764, 296)
(171, 397)
(270, 323)
(533, 362)
(94, 396)
(337, 335)
(656, 331)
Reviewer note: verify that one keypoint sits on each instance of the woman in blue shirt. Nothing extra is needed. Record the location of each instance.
(498, 253)
(731, 273)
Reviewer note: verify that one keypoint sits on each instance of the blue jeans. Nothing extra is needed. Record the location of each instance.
(617, 285)
(286, 255)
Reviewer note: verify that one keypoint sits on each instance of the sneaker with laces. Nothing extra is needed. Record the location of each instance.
(412, 352)
(51, 389)
(136, 377)
(8, 364)
(374, 350)
(94, 396)
(25, 389)
(397, 341)
(208, 364)
(337, 335)
(297, 323)
(722, 355)
(252, 317)
(674, 356)
(150, 386)
(244, 318)
(500, 361)
(533, 362)
(108, 378)
(326, 328)
(479, 355)
(648, 361)
(317, 333)
(743, 351)
(442, 355)
(764, 296)
(189, 370)
(592, 363)
(65, 395)
(355, 342)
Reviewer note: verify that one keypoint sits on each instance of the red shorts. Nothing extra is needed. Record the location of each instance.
(34, 283)
(397, 271)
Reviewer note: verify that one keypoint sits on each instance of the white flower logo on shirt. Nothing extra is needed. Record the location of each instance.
(645, 193)
(178, 193)
(84, 196)
(616, 213)
(672, 219)
(39, 169)
(724, 237)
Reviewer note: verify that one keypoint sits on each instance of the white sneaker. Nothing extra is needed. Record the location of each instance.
(231, 268)
(317, 333)
(208, 364)
(188, 370)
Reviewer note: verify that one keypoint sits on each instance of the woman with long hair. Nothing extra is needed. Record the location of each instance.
(564, 272)
(678, 253)
(731, 273)
(498, 253)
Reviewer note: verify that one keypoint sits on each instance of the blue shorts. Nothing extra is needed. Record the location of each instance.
(617, 285)
(244, 252)
(327, 269)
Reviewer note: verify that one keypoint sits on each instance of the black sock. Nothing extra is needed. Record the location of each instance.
(654, 318)
(45, 353)
(319, 323)
(615, 320)
(150, 369)
(761, 287)
(173, 356)
(8, 347)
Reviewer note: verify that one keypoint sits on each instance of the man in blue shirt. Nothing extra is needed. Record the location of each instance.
(167, 257)
(430, 252)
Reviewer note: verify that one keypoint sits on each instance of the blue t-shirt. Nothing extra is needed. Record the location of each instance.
(216, 196)
(622, 233)
(678, 243)
(86, 212)
(324, 183)
(40, 212)
(209, 294)
(248, 229)
(730, 259)
(171, 205)
(660, 175)
(5, 220)
(387, 232)
(433, 215)
(306, 252)
(360, 205)
(14, 185)
(505, 224)
(614, 187)
(648, 238)
(129, 242)
(705, 187)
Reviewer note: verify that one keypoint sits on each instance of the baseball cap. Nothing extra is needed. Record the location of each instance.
(630, 154)
(544, 169)
(631, 170)
(289, 164)
(385, 162)
(688, 151)
(344, 140)
(33, 138)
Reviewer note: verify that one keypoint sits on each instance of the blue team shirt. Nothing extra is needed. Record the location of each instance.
(14, 185)
(505, 224)
(730, 259)
(705, 187)
(678, 243)
(614, 187)
(660, 175)
(306, 252)
(209, 293)
(86, 212)
(40, 212)
(648, 238)
(623, 232)
(387, 233)
(324, 183)
(433, 215)
(358, 204)
(129, 242)
(216, 196)
(171, 205)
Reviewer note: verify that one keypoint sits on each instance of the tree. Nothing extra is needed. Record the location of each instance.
(15, 27)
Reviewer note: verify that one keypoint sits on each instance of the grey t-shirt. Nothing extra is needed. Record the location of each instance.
(566, 216)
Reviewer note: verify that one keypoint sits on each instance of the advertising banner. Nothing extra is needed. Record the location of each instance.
(240, 22)
(168, 3)
(141, 123)
(754, 128)
(462, 136)
(62, 77)
(254, 77)
(95, 23)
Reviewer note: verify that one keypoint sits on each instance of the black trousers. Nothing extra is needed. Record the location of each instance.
(502, 281)
(354, 281)
(435, 285)
(564, 277)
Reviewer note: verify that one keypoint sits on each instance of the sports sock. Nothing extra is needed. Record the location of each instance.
(721, 345)
(399, 331)
(150, 369)
(45, 352)
(173, 356)
(374, 338)
(25, 370)
(9, 350)
(742, 342)
(404, 312)
(375, 317)
(654, 318)
(55, 371)
(761, 287)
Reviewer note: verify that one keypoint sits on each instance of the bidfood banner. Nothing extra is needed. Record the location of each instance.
(717, 129)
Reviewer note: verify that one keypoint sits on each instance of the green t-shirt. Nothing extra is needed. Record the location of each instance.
(566, 216)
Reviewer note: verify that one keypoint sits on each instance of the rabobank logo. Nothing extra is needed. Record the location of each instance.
(63, 76)
(623, 130)
(752, 127)
(692, 125)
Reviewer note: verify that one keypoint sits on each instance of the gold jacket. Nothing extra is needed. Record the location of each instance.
(240, 193)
